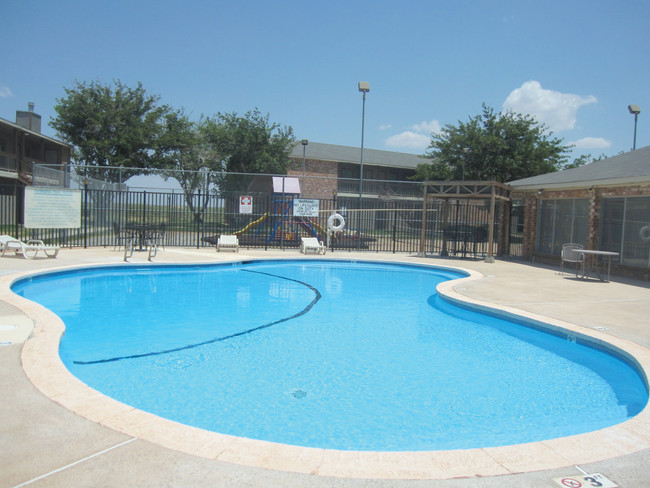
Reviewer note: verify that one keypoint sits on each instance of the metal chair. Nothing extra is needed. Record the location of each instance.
(570, 255)
(121, 238)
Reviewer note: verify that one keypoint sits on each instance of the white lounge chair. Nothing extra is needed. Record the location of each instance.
(228, 242)
(28, 250)
(312, 244)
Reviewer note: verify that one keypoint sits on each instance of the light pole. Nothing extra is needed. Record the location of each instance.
(364, 87)
(634, 109)
(465, 151)
(304, 149)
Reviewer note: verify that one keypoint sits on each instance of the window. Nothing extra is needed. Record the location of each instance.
(561, 221)
(622, 219)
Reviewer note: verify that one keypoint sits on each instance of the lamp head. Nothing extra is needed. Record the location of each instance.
(634, 109)
(305, 142)
(364, 86)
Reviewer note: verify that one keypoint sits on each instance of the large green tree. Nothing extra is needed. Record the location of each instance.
(496, 146)
(185, 154)
(249, 144)
(110, 126)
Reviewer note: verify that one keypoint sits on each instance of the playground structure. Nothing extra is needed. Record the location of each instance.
(281, 226)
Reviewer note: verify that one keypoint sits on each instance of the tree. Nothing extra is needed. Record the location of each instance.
(249, 144)
(109, 126)
(493, 146)
(582, 160)
(186, 155)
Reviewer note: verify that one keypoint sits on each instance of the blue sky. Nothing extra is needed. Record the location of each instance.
(575, 65)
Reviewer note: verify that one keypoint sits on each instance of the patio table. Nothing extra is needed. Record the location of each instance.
(593, 263)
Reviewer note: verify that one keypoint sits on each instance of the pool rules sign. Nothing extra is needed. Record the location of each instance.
(245, 205)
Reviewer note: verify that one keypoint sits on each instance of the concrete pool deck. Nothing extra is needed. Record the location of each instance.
(44, 443)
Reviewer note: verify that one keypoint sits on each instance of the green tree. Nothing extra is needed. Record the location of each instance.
(110, 126)
(582, 160)
(249, 144)
(493, 146)
(185, 154)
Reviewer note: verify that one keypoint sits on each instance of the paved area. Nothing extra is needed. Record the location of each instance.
(44, 444)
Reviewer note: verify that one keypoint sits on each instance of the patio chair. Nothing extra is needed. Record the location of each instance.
(570, 255)
(121, 237)
(28, 250)
(160, 235)
(312, 244)
(228, 242)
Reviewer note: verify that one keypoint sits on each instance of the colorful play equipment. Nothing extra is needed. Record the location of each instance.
(283, 224)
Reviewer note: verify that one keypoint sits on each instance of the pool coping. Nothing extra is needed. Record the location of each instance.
(46, 371)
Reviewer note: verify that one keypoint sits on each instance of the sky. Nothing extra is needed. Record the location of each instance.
(575, 65)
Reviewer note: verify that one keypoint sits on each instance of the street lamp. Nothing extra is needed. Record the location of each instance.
(465, 151)
(634, 109)
(304, 148)
(364, 87)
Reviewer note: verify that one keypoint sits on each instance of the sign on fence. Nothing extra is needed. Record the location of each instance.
(245, 205)
(305, 208)
(52, 208)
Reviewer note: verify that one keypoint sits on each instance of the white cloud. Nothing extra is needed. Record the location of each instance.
(5, 92)
(591, 143)
(557, 110)
(385, 126)
(428, 127)
(419, 137)
(409, 139)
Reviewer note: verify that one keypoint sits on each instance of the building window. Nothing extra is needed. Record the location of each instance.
(559, 222)
(622, 219)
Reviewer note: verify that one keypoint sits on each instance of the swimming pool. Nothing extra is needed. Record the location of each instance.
(318, 345)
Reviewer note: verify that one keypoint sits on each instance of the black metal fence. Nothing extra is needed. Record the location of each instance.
(380, 225)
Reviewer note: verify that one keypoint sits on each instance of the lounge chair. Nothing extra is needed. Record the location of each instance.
(228, 242)
(312, 244)
(570, 255)
(28, 250)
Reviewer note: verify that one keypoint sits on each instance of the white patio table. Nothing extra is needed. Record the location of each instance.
(592, 263)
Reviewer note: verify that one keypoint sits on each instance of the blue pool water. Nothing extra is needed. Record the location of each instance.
(340, 355)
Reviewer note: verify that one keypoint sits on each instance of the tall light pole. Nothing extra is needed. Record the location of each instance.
(634, 109)
(304, 148)
(465, 151)
(364, 87)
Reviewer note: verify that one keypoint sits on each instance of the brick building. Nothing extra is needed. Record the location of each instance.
(22, 145)
(329, 168)
(604, 205)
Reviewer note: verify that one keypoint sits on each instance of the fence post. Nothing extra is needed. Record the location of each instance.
(198, 226)
(85, 213)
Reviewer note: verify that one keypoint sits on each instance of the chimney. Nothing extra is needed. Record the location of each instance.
(29, 120)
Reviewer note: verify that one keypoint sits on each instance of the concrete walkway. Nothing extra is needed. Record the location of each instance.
(43, 444)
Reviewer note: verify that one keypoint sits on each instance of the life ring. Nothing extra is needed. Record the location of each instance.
(644, 233)
(334, 217)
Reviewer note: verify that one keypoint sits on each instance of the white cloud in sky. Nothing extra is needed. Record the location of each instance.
(591, 143)
(5, 92)
(409, 139)
(557, 110)
(428, 127)
(385, 126)
(419, 137)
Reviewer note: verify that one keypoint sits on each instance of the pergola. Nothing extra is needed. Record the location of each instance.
(462, 190)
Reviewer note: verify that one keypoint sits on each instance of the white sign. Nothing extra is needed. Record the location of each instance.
(585, 480)
(245, 205)
(52, 208)
(305, 208)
